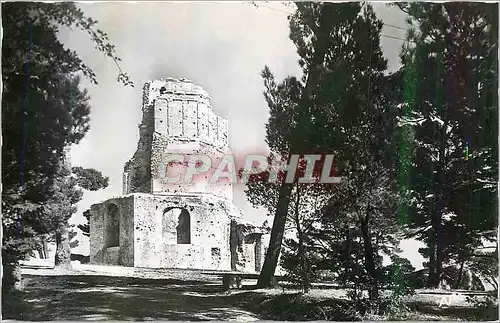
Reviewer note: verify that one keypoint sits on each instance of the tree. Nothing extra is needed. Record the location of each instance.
(306, 199)
(358, 226)
(453, 109)
(85, 228)
(292, 144)
(66, 191)
(72, 234)
(59, 208)
(339, 53)
(39, 116)
(92, 180)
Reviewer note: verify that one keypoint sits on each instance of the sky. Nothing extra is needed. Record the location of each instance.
(222, 47)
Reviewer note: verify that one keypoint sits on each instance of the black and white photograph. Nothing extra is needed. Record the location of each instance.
(249, 161)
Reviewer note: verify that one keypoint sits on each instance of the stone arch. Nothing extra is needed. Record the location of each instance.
(112, 226)
(177, 225)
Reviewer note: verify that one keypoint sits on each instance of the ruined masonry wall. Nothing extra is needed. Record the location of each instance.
(148, 234)
(173, 120)
(99, 253)
(154, 243)
(222, 188)
(137, 171)
(179, 120)
(246, 247)
(188, 117)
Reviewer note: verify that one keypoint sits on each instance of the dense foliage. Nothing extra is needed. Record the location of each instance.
(453, 111)
(417, 150)
(44, 111)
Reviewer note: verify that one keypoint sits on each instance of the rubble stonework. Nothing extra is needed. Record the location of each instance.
(186, 225)
(176, 114)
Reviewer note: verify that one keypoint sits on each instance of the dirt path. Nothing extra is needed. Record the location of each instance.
(95, 297)
(120, 293)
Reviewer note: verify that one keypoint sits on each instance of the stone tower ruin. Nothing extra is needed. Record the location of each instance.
(177, 117)
(185, 225)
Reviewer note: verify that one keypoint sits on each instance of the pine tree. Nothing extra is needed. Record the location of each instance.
(454, 108)
(85, 228)
(59, 208)
(306, 199)
(342, 63)
(66, 191)
(42, 113)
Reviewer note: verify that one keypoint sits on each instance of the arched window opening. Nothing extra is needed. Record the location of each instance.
(184, 228)
(177, 225)
(112, 226)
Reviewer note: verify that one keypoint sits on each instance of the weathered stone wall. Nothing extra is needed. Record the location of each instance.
(247, 246)
(219, 239)
(184, 225)
(187, 115)
(137, 171)
(176, 115)
(200, 184)
(100, 253)
(155, 235)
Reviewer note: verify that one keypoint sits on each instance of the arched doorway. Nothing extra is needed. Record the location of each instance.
(112, 226)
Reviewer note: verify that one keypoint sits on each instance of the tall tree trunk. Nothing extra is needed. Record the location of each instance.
(63, 250)
(348, 244)
(42, 248)
(302, 253)
(436, 253)
(369, 255)
(45, 247)
(440, 206)
(435, 259)
(276, 239)
(277, 232)
(41, 255)
(460, 273)
(439, 256)
(39, 249)
(431, 279)
(437, 266)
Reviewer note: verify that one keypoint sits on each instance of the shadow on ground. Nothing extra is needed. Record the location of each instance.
(98, 297)
(295, 307)
(456, 312)
(120, 298)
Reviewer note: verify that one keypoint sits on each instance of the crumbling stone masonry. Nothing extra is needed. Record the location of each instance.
(161, 225)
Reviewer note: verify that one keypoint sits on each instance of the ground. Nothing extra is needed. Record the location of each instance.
(118, 293)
